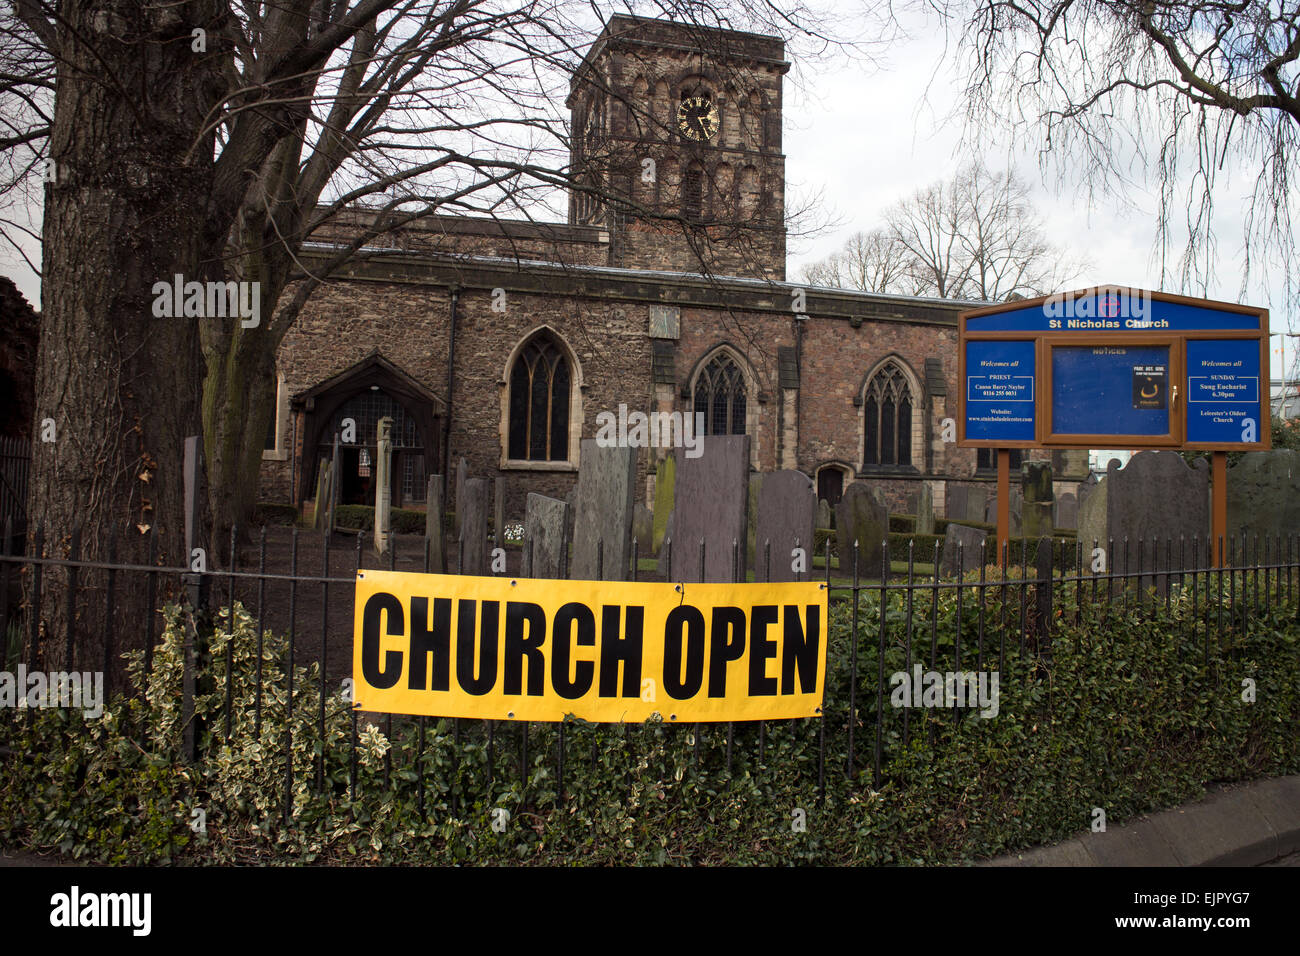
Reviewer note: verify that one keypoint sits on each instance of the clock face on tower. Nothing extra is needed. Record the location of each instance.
(697, 118)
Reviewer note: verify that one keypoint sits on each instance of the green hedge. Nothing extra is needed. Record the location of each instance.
(1125, 715)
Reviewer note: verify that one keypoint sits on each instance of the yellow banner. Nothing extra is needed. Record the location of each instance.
(604, 651)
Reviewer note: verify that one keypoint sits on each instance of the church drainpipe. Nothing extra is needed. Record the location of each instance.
(451, 371)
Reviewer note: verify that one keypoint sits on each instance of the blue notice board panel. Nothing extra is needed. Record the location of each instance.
(1223, 391)
(1000, 391)
(1110, 390)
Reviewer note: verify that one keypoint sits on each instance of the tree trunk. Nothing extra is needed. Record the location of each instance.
(120, 383)
(239, 404)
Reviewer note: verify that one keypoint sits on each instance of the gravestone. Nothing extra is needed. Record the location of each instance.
(473, 510)
(710, 503)
(435, 543)
(971, 541)
(976, 501)
(665, 483)
(786, 512)
(383, 482)
(911, 503)
(320, 508)
(1067, 510)
(462, 476)
(1156, 496)
(751, 519)
(643, 529)
(861, 516)
(1036, 513)
(499, 511)
(1264, 496)
(546, 537)
(823, 514)
(925, 510)
(1085, 489)
(956, 502)
(603, 503)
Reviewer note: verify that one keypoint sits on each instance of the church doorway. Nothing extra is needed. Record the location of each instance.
(830, 484)
(350, 406)
(358, 460)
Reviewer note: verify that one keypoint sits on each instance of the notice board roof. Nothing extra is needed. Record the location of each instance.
(1104, 308)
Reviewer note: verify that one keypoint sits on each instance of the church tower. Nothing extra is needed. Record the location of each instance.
(676, 133)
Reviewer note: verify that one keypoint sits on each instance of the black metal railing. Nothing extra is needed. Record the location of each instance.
(991, 615)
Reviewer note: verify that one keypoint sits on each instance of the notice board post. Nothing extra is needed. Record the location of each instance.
(1004, 501)
(1114, 367)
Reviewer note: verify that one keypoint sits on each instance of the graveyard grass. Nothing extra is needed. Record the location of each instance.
(1126, 716)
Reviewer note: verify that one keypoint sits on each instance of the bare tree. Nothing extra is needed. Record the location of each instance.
(975, 237)
(870, 262)
(1174, 93)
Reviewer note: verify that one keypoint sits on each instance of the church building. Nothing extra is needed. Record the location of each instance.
(665, 291)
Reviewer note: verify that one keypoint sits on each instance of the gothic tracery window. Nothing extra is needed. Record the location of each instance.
(539, 401)
(887, 419)
(720, 396)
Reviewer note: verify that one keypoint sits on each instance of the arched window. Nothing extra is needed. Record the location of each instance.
(720, 396)
(539, 401)
(887, 419)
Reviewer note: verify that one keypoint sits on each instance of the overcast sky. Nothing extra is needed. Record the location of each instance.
(867, 141)
(866, 137)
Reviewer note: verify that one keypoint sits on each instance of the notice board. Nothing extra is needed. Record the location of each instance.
(1114, 367)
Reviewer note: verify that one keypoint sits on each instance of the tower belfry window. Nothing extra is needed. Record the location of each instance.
(693, 194)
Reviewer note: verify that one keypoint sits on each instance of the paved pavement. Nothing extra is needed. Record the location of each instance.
(1252, 824)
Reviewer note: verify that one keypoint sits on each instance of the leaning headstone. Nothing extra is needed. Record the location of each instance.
(643, 529)
(823, 513)
(435, 545)
(1264, 496)
(956, 502)
(603, 502)
(665, 550)
(546, 537)
(1036, 513)
(1067, 510)
(925, 510)
(1154, 497)
(786, 512)
(462, 476)
(971, 541)
(665, 482)
(861, 516)
(710, 504)
(473, 511)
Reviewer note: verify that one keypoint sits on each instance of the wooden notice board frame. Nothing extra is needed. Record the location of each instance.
(1112, 317)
